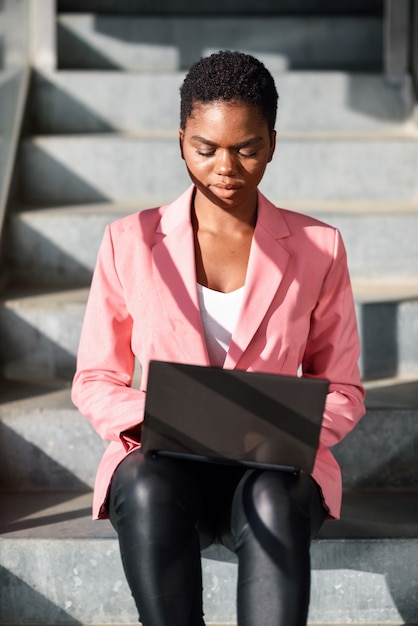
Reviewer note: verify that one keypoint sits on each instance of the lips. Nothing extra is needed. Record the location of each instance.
(227, 187)
(226, 191)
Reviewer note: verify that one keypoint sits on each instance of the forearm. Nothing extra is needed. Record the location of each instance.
(115, 409)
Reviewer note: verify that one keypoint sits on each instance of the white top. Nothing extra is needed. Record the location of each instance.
(219, 312)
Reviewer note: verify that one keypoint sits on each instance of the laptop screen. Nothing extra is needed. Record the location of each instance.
(233, 416)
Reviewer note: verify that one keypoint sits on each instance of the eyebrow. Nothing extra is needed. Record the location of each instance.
(242, 144)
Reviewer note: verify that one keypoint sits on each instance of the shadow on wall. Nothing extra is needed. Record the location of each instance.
(43, 514)
(44, 441)
(175, 43)
(63, 110)
(64, 183)
(391, 101)
(379, 340)
(386, 350)
(55, 257)
(75, 170)
(391, 460)
(22, 604)
(167, 44)
(25, 467)
(33, 344)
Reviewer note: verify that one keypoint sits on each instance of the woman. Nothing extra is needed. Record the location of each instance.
(219, 277)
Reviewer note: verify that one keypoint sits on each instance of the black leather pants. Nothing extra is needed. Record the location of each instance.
(166, 510)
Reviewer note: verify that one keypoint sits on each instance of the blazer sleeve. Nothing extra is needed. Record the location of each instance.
(333, 349)
(105, 362)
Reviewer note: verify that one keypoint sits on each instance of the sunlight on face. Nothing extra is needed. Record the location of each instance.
(226, 147)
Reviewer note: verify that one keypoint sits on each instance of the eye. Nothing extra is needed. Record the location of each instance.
(206, 153)
(247, 155)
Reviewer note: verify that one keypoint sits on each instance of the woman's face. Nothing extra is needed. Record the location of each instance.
(226, 147)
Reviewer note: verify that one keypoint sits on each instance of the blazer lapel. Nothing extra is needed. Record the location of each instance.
(266, 267)
(175, 279)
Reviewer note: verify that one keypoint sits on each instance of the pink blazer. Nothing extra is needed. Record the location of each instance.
(297, 311)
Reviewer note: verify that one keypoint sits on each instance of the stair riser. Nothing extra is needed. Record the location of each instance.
(373, 243)
(61, 246)
(42, 340)
(80, 102)
(391, 459)
(165, 44)
(50, 450)
(82, 169)
(57, 247)
(58, 582)
(389, 338)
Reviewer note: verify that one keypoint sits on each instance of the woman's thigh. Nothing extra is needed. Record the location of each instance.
(141, 483)
(154, 504)
(142, 486)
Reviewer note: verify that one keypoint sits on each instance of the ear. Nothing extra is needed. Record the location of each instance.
(181, 139)
(272, 145)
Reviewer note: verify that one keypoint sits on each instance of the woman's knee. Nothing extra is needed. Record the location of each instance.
(142, 484)
(272, 504)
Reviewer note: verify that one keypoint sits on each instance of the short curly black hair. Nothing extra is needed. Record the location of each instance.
(229, 75)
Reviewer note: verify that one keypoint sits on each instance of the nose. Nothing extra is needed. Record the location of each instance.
(225, 163)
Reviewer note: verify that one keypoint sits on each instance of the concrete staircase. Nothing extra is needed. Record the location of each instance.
(100, 141)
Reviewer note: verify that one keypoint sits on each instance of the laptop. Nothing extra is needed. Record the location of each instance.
(233, 416)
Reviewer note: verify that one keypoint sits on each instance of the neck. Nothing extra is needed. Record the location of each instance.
(209, 216)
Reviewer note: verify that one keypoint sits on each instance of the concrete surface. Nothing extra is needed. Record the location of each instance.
(169, 43)
(309, 102)
(81, 169)
(62, 568)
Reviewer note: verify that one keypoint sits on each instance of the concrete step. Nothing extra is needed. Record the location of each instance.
(41, 330)
(90, 102)
(381, 451)
(57, 567)
(83, 169)
(45, 444)
(167, 43)
(388, 329)
(59, 245)
(40, 333)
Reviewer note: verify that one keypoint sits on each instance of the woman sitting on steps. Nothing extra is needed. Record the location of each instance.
(278, 285)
